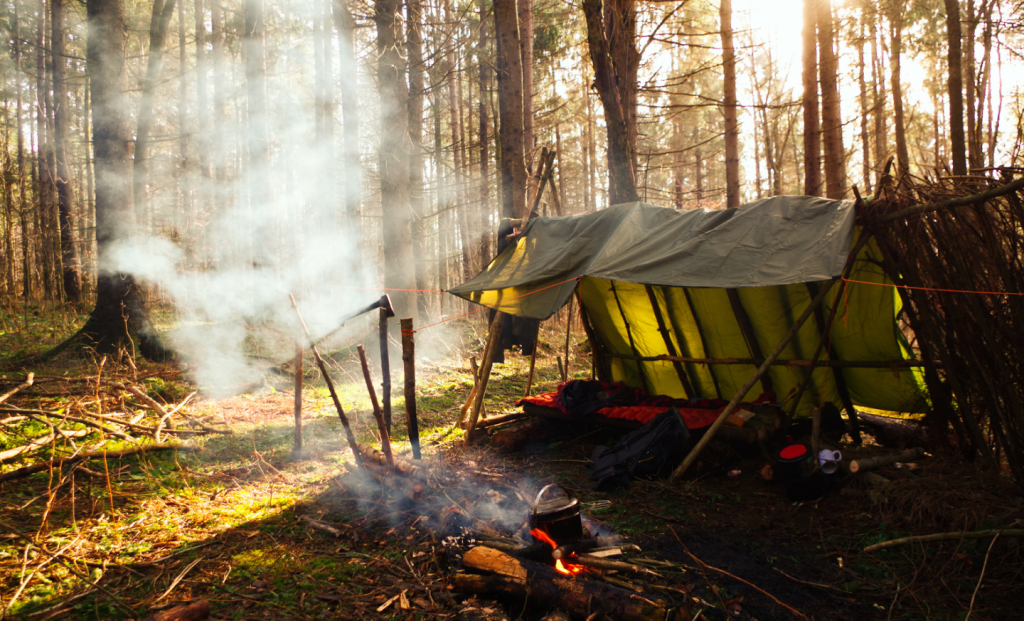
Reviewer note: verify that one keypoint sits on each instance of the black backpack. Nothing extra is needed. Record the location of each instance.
(651, 450)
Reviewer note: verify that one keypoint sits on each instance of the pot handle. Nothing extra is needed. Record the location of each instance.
(540, 494)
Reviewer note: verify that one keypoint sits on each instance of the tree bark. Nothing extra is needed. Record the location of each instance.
(812, 128)
(414, 47)
(955, 88)
(71, 266)
(895, 51)
(350, 114)
(732, 130)
(616, 95)
(485, 183)
(525, 10)
(831, 117)
(510, 104)
(161, 17)
(393, 155)
(119, 315)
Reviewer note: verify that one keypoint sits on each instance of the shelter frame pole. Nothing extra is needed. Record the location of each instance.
(568, 332)
(703, 341)
(761, 370)
(493, 343)
(825, 328)
(680, 371)
(596, 346)
(629, 333)
(747, 329)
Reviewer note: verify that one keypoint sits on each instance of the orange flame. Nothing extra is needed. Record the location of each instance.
(567, 569)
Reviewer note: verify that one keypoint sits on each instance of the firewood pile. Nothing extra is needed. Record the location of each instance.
(65, 422)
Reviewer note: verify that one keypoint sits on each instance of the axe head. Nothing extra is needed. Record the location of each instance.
(385, 303)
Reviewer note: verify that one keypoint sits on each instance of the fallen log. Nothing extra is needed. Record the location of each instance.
(73, 459)
(193, 611)
(320, 526)
(544, 586)
(513, 439)
(400, 466)
(874, 463)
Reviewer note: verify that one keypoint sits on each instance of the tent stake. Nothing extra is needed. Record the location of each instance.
(738, 397)
(493, 343)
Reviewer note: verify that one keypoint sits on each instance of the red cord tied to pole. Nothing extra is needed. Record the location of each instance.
(885, 284)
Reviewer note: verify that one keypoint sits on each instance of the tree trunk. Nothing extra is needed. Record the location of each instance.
(158, 23)
(831, 117)
(510, 104)
(732, 130)
(258, 139)
(525, 10)
(895, 51)
(485, 183)
(350, 114)
(812, 131)
(878, 104)
(865, 141)
(955, 88)
(616, 94)
(23, 212)
(44, 163)
(620, 31)
(973, 95)
(119, 315)
(414, 46)
(72, 268)
(393, 156)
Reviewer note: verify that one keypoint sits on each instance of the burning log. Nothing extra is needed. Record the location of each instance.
(546, 586)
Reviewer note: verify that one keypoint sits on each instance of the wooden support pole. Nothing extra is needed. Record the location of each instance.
(738, 397)
(747, 330)
(330, 384)
(409, 362)
(464, 415)
(669, 345)
(568, 332)
(385, 368)
(297, 448)
(493, 343)
(529, 376)
(825, 328)
(382, 428)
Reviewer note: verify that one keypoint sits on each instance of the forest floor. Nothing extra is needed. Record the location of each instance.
(125, 537)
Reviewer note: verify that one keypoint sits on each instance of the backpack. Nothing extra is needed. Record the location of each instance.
(651, 450)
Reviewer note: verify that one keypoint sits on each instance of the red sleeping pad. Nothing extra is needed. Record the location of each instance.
(697, 414)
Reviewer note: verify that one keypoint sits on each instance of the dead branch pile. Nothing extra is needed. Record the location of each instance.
(60, 421)
(955, 248)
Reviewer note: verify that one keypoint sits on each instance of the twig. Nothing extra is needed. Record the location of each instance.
(181, 576)
(979, 534)
(970, 609)
(737, 578)
(28, 382)
(320, 526)
(60, 461)
(71, 419)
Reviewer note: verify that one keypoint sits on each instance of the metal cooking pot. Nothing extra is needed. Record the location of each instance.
(558, 516)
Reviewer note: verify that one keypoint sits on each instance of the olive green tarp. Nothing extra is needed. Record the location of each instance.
(634, 262)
